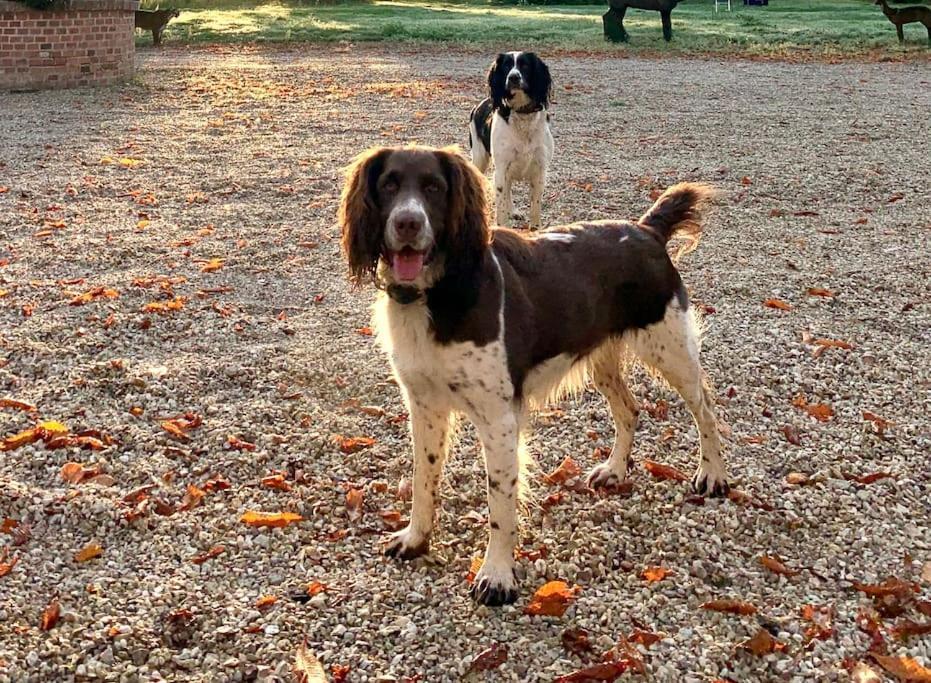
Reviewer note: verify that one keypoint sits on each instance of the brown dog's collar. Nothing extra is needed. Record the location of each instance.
(404, 294)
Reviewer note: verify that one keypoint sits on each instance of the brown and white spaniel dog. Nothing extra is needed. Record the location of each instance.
(490, 323)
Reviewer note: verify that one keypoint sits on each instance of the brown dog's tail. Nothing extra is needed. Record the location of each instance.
(678, 212)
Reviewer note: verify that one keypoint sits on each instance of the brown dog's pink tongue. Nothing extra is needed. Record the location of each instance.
(407, 264)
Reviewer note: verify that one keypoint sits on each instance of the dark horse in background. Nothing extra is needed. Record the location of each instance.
(614, 17)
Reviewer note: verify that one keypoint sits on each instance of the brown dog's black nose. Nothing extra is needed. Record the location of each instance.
(408, 225)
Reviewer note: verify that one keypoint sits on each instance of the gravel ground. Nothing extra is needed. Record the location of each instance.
(235, 154)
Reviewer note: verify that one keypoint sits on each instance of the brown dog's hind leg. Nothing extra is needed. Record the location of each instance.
(609, 378)
(671, 346)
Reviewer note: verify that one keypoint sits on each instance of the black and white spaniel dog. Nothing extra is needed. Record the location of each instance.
(512, 126)
(490, 323)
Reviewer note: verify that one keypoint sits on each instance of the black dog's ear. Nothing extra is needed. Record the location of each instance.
(496, 90)
(541, 85)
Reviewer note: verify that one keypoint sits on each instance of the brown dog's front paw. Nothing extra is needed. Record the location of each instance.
(407, 545)
(710, 481)
(494, 588)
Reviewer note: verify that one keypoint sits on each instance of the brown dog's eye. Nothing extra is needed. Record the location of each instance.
(432, 188)
(390, 187)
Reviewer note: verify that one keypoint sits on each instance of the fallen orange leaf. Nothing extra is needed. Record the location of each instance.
(777, 303)
(661, 471)
(775, 565)
(88, 552)
(163, 307)
(354, 444)
(239, 445)
(552, 599)
(17, 405)
(92, 294)
(7, 566)
(654, 574)
(212, 265)
(276, 481)
(354, 503)
(474, 567)
(763, 643)
(905, 669)
(269, 519)
(266, 601)
(729, 606)
(210, 554)
(490, 659)
(315, 587)
(820, 411)
(645, 638)
(50, 615)
(867, 479)
(818, 291)
(568, 469)
(192, 498)
(891, 586)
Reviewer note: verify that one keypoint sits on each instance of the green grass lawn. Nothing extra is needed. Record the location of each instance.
(787, 28)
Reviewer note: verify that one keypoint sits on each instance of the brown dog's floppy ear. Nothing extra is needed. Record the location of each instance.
(359, 216)
(467, 233)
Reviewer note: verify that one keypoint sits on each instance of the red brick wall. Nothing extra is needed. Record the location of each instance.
(90, 43)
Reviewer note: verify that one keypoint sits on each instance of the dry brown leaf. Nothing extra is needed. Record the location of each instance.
(192, 498)
(266, 601)
(797, 478)
(906, 628)
(490, 658)
(605, 671)
(645, 638)
(209, 555)
(661, 471)
(165, 307)
(353, 444)
(50, 615)
(820, 619)
(891, 586)
(93, 294)
(8, 525)
(269, 519)
(552, 599)
(179, 426)
(211, 266)
(17, 405)
(778, 304)
(903, 668)
(276, 481)
(6, 566)
(474, 567)
(867, 479)
(354, 503)
(27, 436)
(762, 643)
(391, 519)
(792, 434)
(238, 444)
(576, 641)
(568, 469)
(88, 552)
(879, 423)
(654, 574)
(775, 565)
(818, 291)
(75, 472)
(729, 606)
(316, 587)
(820, 411)
(823, 344)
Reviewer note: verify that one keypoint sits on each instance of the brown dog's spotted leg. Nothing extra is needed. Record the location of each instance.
(430, 431)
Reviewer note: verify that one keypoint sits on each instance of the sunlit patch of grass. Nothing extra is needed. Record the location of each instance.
(826, 27)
